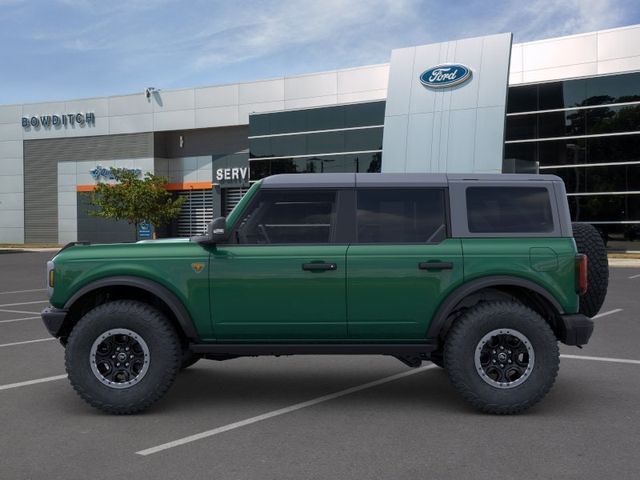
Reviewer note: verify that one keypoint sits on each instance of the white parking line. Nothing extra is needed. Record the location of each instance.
(602, 359)
(281, 411)
(18, 319)
(27, 341)
(23, 303)
(24, 291)
(3, 310)
(610, 312)
(635, 276)
(31, 382)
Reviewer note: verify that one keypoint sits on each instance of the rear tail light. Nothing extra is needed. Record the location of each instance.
(581, 274)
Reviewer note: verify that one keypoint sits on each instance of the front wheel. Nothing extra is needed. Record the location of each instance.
(122, 356)
(502, 357)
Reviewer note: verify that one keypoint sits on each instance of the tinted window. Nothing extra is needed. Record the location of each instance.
(401, 215)
(365, 139)
(281, 122)
(522, 151)
(623, 148)
(356, 115)
(521, 127)
(288, 145)
(351, 162)
(613, 88)
(609, 178)
(522, 99)
(509, 210)
(289, 217)
(613, 119)
(562, 152)
(570, 93)
(560, 124)
(359, 115)
(605, 208)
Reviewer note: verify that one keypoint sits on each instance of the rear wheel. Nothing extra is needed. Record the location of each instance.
(502, 357)
(122, 356)
(589, 242)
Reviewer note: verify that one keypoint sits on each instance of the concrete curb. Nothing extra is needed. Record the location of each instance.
(15, 249)
(624, 262)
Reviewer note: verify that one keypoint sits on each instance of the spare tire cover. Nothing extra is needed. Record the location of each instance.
(589, 242)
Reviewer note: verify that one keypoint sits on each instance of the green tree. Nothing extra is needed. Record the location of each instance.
(136, 200)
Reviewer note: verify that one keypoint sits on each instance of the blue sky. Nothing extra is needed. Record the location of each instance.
(67, 49)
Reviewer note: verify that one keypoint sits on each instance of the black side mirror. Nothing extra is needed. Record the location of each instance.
(216, 232)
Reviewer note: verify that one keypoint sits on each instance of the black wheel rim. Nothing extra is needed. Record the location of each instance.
(504, 358)
(119, 358)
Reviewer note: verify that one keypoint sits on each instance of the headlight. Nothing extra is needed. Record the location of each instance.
(51, 278)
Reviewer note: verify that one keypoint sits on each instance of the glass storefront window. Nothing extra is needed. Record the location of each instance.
(609, 178)
(329, 142)
(619, 148)
(522, 99)
(521, 127)
(522, 151)
(561, 124)
(364, 114)
(351, 162)
(577, 151)
(605, 208)
(575, 93)
(562, 152)
(316, 143)
(287, 145)
(613, 119)
(260, 147)
(613, 89)
(566, 94)
(325, 118)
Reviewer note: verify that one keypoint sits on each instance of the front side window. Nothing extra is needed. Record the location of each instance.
(289, 217)
(401, 215)
(509, 210)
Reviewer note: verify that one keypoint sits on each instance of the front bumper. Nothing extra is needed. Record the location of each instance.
(53, 319)
(575, 329)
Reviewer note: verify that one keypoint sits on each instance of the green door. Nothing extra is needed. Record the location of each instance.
(402, 265)
(284, 278)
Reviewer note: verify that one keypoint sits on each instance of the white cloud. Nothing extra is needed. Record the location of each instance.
(173, 43)
(539, 19)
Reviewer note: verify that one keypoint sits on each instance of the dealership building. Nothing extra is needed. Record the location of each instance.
(569, 106)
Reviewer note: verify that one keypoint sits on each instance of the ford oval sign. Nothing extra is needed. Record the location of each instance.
(443, 76)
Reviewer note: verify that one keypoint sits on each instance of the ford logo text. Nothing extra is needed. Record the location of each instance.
(443, 76)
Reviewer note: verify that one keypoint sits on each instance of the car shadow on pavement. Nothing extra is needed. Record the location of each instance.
(202, 388)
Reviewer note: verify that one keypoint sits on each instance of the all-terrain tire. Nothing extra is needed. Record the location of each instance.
(164, 356)
(589, 242)
(464, 339)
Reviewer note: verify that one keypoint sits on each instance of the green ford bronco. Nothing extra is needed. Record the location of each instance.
(479, 274)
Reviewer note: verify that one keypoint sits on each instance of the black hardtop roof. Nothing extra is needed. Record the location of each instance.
(345, 180)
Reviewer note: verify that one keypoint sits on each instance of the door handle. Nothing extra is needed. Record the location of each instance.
(435, 265)
(314, 267)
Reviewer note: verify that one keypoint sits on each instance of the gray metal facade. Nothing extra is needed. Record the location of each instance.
(455, 129)
(41, 159)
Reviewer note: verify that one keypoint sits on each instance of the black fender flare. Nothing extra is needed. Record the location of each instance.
(440, 320)
(167, 296)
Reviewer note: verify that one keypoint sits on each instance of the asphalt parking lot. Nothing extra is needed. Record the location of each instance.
(316, 417)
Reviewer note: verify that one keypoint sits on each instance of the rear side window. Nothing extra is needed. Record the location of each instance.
(509, 210)
(289, 217)
(401, 215)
